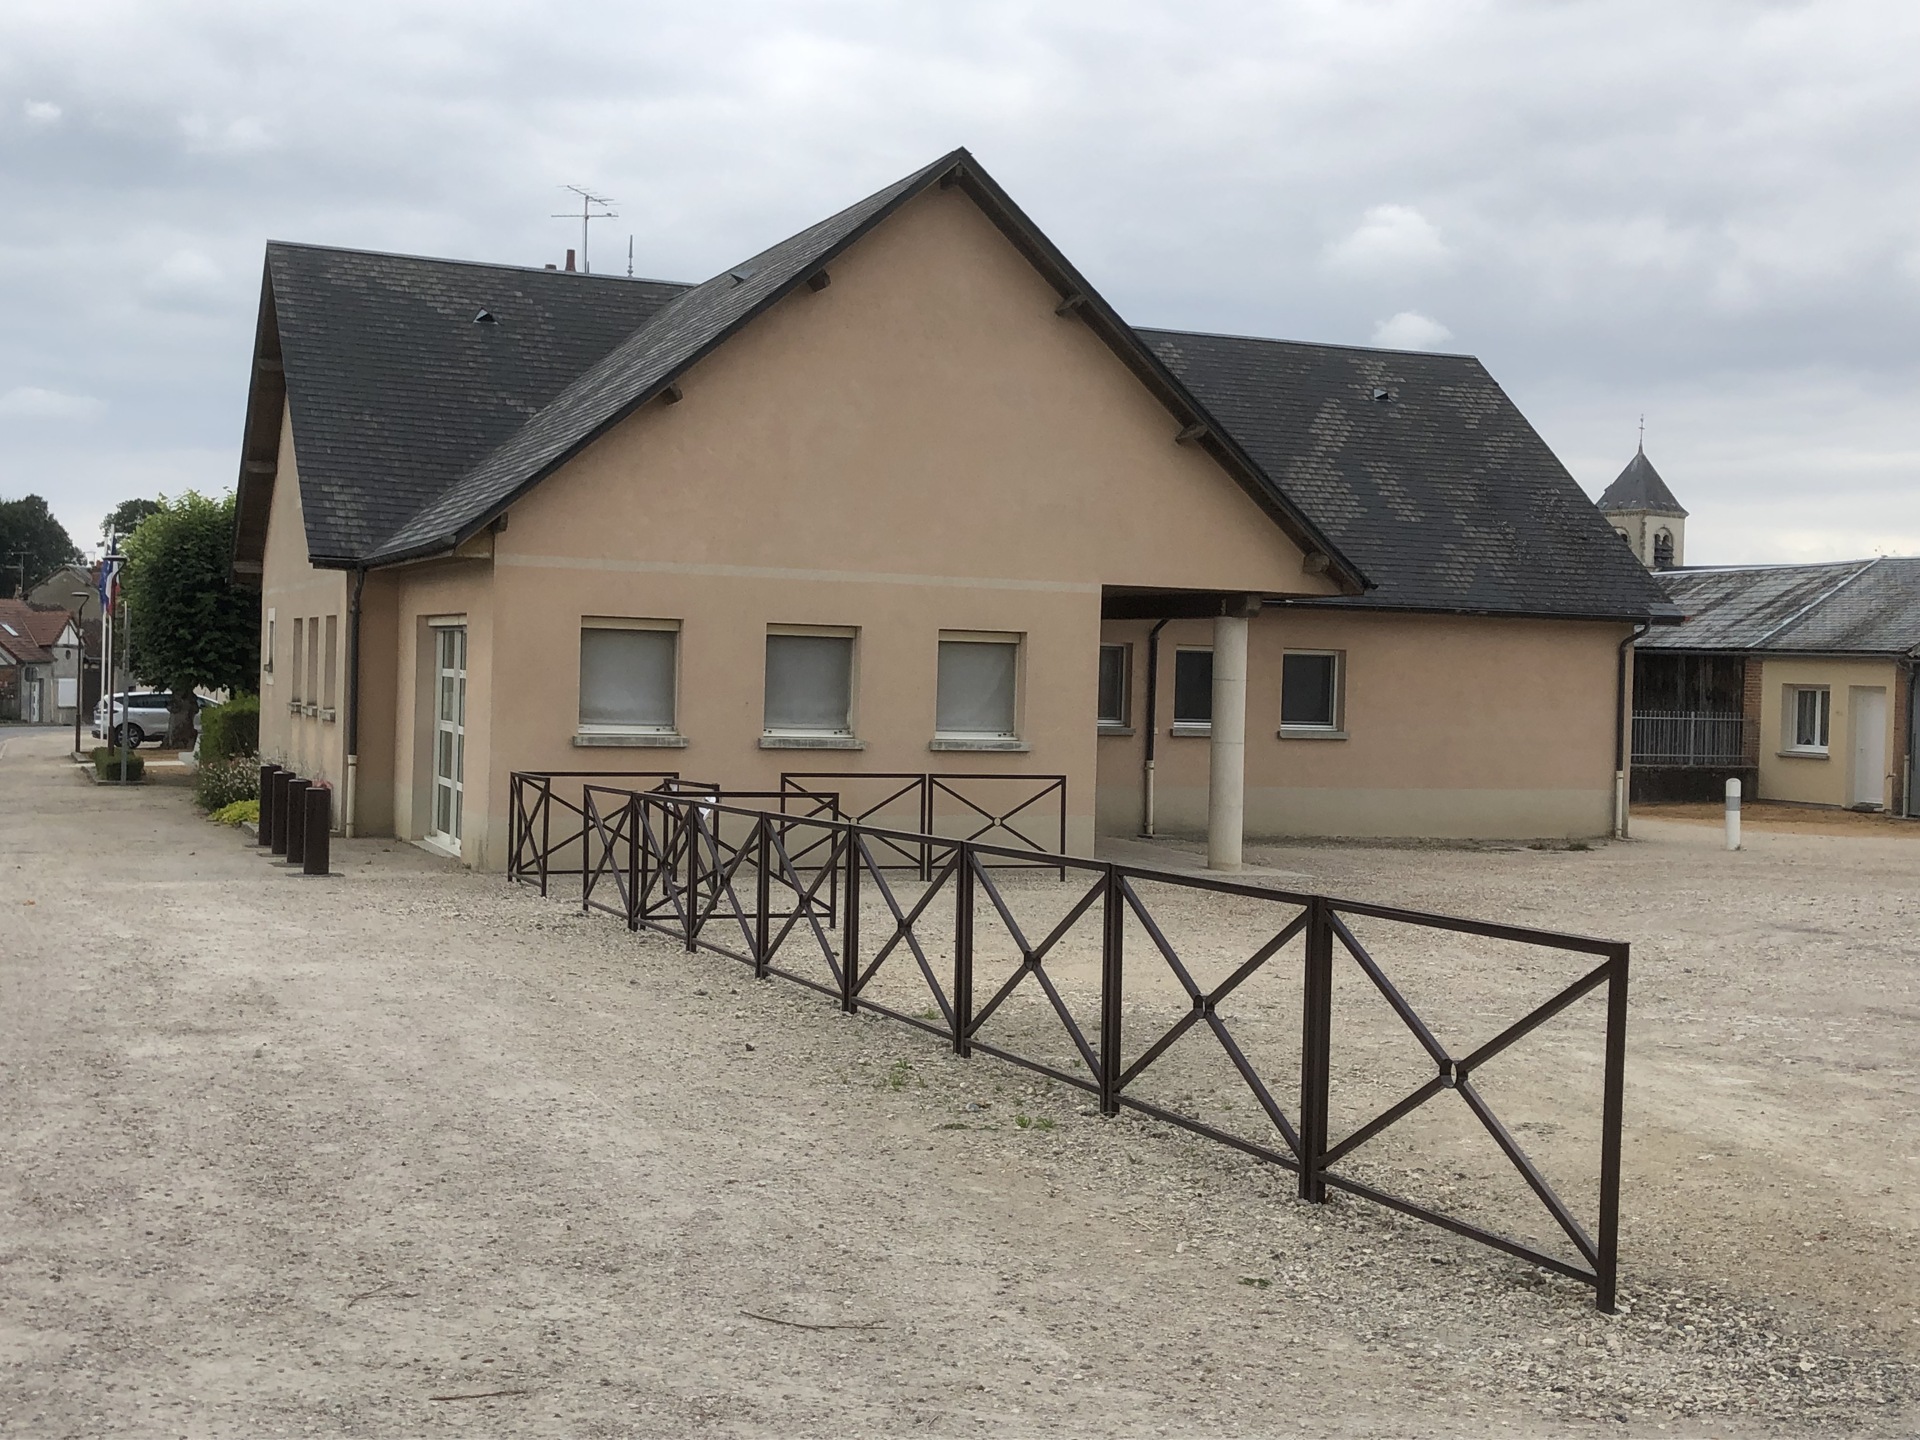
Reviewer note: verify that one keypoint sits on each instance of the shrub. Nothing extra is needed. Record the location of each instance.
(230, 729)
(218, 784)
(106, 764)
(238, 811)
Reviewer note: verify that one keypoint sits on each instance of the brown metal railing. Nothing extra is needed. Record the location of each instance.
(787, 894)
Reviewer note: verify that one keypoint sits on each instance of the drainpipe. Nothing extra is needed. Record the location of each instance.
(1620, 732)
(350, 799)
(1153, 726)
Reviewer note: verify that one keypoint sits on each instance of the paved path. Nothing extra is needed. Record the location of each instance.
(403, 1150)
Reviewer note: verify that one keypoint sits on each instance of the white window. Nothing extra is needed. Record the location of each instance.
(1116, 675)
(977, 695)
(809, 681)
(1808, 708)
(1193, 692)
(1310, 691)
(628, 675)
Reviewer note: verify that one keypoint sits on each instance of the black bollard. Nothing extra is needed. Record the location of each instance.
(297, 820)
(279, 823)
(319, 829)
(263, 830)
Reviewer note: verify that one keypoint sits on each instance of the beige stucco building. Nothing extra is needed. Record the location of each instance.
(903, 494)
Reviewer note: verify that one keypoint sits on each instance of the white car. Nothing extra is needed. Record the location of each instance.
(145, 715)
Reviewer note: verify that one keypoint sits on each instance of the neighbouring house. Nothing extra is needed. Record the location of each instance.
(903, 493)
(40, 660)
(57, 591)
(1797, 679)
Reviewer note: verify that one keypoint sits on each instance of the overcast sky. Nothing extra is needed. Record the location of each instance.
(1703, 211)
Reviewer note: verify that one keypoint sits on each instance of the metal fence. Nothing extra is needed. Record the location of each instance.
(810, 898)
(1689, 737)
(1024, 812)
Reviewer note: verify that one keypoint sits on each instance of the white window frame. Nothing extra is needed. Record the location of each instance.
(789, 737)
(1121, 724)
(1790, 743)
(631, 735)
(1335, 729)
(449, 840)
(981, 739)
(1190, 729)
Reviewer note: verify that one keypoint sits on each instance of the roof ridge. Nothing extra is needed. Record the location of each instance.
(440, 260)
(1306, 344)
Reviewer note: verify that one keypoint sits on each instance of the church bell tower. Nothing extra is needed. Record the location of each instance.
(1642, 509)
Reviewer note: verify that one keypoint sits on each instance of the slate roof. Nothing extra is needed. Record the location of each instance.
(396, 392)
(1420, 469)
(1851, 607)
(414, 425)
(1639, 487)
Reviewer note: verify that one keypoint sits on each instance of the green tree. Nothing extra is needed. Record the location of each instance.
(191, 625)
(32, 544)
(127, 515)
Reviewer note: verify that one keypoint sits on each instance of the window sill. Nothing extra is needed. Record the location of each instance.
(1192, 730)
(1116, 729)
(327, 715)
(294, 707)
(812, 742)
(1005, 745)
(1310, 732)
(629, 740)
(1806, 754)
(439, 845)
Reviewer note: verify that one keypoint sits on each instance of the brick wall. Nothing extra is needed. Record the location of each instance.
(1750, 708)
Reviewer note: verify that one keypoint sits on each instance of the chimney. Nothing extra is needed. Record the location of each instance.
(552, 266)
(569, 262)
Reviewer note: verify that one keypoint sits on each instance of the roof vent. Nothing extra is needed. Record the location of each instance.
(742, 275)
(1381, 395)
(484, 317)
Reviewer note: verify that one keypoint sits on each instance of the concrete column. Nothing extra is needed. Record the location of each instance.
(1227, 757)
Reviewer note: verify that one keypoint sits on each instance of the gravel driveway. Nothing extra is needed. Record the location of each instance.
(405, 1151)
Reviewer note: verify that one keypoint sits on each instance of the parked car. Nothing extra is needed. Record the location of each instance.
(144, 713)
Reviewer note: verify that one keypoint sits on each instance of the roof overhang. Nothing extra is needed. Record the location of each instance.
(260, 441)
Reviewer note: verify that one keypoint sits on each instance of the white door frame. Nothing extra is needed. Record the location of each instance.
(1867, 720)
(446, 790)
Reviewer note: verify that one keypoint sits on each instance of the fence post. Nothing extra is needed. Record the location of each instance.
(850, 933)
(1316, 1034)
(926, 827)
(690, 897)
(762, 897)
(636, 862)
(546, 832)
(1613, 1104)
(962, 949)
(1113, 929)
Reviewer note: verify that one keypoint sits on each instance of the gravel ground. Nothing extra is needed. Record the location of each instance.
(299, 1157)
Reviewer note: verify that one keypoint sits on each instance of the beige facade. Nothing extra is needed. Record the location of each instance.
(1846, 749)
(1446, 726)
(925, 449)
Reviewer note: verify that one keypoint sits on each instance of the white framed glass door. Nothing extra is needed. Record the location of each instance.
(449, 732)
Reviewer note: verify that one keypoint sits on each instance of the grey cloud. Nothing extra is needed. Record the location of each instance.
(1703, 211)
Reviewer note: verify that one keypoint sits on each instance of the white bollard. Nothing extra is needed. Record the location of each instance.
(1733, 814)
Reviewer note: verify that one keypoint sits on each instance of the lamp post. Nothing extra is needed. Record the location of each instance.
(79, 664)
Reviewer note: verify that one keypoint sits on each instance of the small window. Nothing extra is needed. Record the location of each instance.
(1663, 549)
(809, 684)
(268, 666)
(1193, 687)
(1310, 690)
(329, 682)
(299, 640)
(1808, 708)
(1115, 672)
(977, 682)
(313, 661)
(627, 676)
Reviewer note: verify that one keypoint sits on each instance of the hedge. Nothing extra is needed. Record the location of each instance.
(106, 764)
(230, 729)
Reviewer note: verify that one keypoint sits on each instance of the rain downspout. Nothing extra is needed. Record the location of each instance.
(1153, 726)
(1620, 732)
(348, 806)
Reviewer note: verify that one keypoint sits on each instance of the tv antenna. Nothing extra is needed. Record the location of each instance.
(587, 201)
